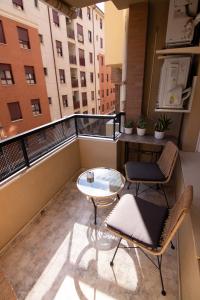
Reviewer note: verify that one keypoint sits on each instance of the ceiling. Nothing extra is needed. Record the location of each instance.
(120, 4)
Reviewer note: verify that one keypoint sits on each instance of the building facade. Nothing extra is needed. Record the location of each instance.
(67, 60)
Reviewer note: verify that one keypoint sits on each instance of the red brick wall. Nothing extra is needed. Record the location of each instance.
(137, 29)
(11, 53)
(107, 103)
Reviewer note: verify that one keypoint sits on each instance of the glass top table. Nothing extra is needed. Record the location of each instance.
(101, 186)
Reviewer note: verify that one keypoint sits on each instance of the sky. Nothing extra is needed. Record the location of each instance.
(101, 5)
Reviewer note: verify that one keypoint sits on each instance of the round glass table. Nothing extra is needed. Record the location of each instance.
(101, 186)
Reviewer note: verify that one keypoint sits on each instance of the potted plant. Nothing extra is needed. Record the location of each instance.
(128, 127)
(141, 126)
(162, 125)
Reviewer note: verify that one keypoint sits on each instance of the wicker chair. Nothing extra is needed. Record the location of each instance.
(147, 226)
(158, 173)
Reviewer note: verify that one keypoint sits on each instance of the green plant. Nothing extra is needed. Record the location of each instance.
(141, 123)
(163, 123)
(128, 124)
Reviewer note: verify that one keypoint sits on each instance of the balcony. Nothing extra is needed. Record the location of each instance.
(74, 82)
(82, 61)
(72, 59)
(61, 248)
(70, 33)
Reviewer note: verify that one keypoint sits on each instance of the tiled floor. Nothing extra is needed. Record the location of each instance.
(62, 256)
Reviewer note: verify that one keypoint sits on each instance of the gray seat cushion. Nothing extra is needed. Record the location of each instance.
(138, 219)
(144, 171)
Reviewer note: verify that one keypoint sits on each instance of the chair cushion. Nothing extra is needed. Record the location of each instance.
(138, 219)
(144, 171)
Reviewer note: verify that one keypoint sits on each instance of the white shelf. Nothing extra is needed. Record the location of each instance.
(172, 110)
(183, 50)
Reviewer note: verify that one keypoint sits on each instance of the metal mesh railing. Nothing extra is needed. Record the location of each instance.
(20, 151)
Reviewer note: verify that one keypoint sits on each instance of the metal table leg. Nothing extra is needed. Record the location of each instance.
(95, 211)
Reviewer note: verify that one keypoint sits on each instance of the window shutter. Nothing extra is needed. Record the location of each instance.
(15, 111)
(2, 36)
(55, 17)
(23, 34)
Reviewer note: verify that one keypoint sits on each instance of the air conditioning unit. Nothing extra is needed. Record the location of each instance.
(182, 18)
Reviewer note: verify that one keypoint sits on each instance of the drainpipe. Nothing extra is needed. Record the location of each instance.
(93, 43)
(54, 63)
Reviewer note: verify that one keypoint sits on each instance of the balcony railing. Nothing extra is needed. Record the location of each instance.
(76, 104)
(74, 82)
(70, 33)
(22, 150)
(84, 102)
(72, 59)
(82, 61)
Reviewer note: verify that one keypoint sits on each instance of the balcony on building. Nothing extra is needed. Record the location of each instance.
(76, 100)
(72, 53)
(70, 30)
(84, 99)
(74, 77)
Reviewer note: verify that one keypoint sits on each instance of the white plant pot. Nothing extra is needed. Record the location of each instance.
(159, 134)
(128, 130)
(141, 131)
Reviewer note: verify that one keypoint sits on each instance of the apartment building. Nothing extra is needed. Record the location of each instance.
(70, 52)
(24, 102)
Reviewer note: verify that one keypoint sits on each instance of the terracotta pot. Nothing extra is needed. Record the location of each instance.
(159, 134)
(141, 131)
(128, 130)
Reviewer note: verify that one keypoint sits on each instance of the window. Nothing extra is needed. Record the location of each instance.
(96, 17)
(88, 13)
(98, 75)
(102, 93)
(101, 23)
(101, 43)
(107, 92)
(59, 48)
(36, 3)
(97, 37)
(93, 111)
(91, 57)
(111, 91)
(79, 13)
(99, 92)
(18, 4)
(102, 77)
(102, 60)
(80, 33)
(62, 75)
(2, 35)
(55, 17)
(91, 77)
(107, 77)
(83, 79)
(65, 100)
(6, 76)
(81, 57)
(41, 38)
(36, 109)
(15, 111)
(97, 57)
(30, 74)
(45, 72)
(49, 100)
(23, 38)
(90, 36)
(103, 107)
(92, 95)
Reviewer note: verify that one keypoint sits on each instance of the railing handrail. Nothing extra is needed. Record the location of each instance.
(45, 126)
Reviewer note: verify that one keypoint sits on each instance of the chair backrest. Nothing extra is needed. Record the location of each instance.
(167, 160)
(176, 216)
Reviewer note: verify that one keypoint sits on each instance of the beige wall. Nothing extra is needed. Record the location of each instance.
(24, 196)
(114, 34)
(98, 153)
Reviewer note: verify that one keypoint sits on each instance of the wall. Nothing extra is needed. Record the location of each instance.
(114, 34)
(22, 197)
(98, 153)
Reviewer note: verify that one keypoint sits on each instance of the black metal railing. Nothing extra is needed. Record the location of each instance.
(23, 149)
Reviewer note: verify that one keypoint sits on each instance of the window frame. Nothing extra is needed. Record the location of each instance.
(9, 104)
(24, 43)
(9, 80)
(2, 36)
(62, 76)
(30, 76)
(36, 107)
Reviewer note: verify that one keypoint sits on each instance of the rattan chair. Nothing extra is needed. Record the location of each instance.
(158, 173)
(147, 226)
